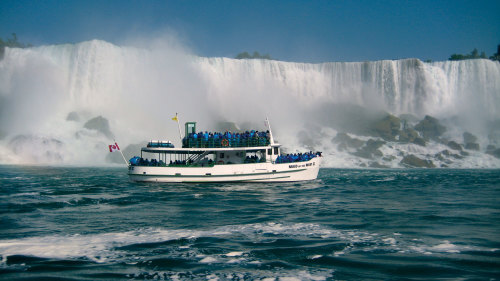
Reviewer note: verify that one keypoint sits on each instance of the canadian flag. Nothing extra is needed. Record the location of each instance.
(113, 147)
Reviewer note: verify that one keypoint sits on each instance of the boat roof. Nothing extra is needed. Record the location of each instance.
(200, 150)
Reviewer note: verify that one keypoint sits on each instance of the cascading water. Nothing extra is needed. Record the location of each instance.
(49, 93)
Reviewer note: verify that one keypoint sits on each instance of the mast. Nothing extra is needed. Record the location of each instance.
(271, 140)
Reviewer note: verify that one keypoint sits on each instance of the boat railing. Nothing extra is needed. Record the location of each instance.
(225, 142)
(180, 165)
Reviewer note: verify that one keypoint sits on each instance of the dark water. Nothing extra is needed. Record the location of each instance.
(93, 224)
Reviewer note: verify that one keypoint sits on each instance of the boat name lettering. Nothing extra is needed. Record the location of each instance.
(299, 166)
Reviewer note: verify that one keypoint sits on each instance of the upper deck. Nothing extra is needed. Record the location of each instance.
(199, 150)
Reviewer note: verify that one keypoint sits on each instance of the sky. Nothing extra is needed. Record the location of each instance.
(300, 31)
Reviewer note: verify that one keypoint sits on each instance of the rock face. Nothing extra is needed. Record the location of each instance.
(99, 124)
(472, 146)
(494, 152)
(454, 145)
(388, 127)
(411, 160)
(370, 149)
(410, 135)
(470, 141)
(73, 116)
(430, 128)
(469, 138)
(344, 141)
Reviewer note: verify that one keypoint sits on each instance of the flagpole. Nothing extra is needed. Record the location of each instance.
(179, 126)
(123, 156)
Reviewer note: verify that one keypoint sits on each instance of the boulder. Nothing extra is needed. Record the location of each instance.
(388, 127)
(388, 158)
(408, 118)
(411, 160)
(73, 116)
(99, 124)
(370, 149)
(469, 138)
(408, 135)
(372, 144)
(454, 145)
(495, 152)
(378, 165)
(419, 141)
(472, 146)
(430, 127)
(345, 141)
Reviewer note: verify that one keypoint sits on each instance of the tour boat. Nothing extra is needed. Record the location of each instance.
(249, 156)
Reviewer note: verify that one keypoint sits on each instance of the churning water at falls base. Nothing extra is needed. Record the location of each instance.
(63, 104)
(68, 223)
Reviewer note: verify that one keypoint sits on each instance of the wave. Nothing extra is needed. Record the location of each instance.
(52, 97)
(319, 240)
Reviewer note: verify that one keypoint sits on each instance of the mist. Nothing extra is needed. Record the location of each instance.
(49, 93)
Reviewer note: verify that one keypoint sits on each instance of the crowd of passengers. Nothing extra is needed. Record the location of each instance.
(297, 157)
(289, 158)
(139, 161)
(253, 159)
(217, 139)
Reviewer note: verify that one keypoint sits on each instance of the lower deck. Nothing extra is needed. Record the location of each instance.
(250, 172)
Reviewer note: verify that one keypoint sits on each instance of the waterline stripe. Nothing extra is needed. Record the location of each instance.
(215, 176)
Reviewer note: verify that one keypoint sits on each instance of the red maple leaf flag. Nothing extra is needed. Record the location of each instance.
(114, 147)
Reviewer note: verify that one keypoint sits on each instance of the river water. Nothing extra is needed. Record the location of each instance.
(92, 223)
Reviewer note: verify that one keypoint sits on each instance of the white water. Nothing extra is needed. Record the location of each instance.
(139, 90)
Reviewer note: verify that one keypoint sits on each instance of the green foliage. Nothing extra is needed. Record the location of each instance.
(496, 57)
(11, 43)
(473, 55)
(255, 55)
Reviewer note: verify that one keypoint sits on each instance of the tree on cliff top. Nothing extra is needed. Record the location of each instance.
(11, 43)
(473, 55)
(497, 55)
(255, 55)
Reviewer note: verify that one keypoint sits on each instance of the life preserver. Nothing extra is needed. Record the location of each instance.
(224, 142)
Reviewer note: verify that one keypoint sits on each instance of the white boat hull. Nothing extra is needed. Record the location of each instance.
(256, 172)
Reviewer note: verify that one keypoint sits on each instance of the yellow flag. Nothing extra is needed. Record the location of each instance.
(175, 118)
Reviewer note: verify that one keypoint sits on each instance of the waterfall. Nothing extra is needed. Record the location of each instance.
(48, 93)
